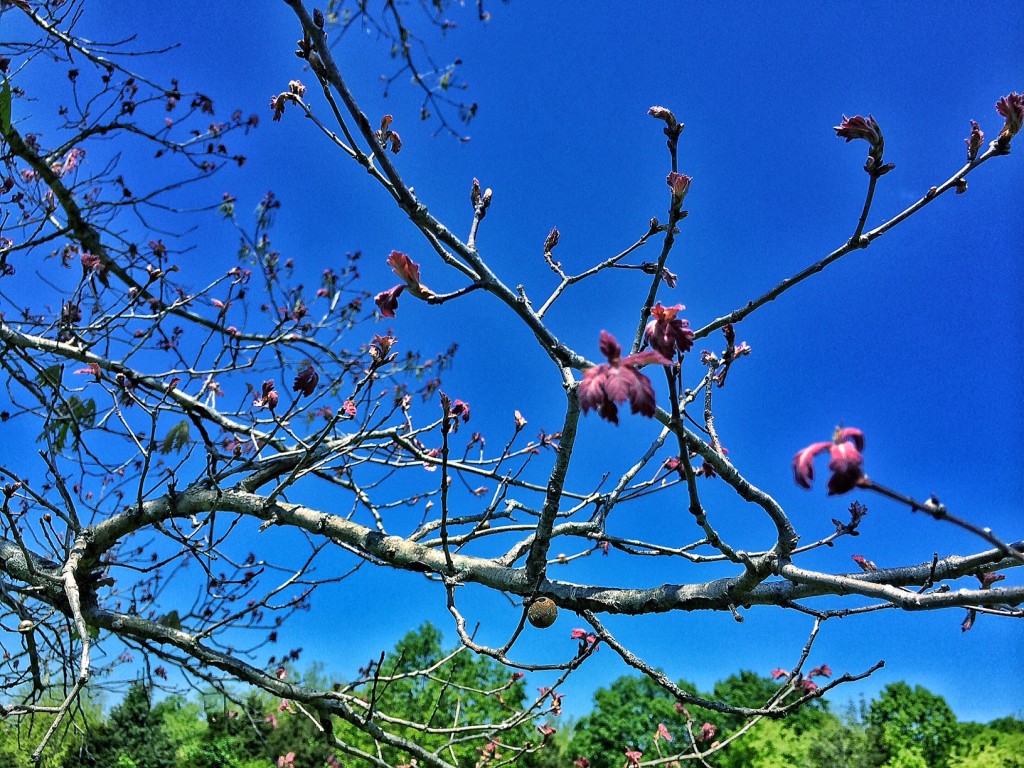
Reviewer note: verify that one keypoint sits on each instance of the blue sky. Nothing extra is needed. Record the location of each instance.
(915, 340)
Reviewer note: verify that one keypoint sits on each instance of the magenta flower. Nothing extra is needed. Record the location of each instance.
(633, 758)
(707, 732)
(662, 733)
(779, 672)
(667, 333)
(1010, 107)
(846, 463)
(606, 386)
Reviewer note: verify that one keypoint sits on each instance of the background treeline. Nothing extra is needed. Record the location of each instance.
(904, 727)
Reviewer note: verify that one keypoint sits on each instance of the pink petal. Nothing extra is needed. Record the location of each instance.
(803, 463)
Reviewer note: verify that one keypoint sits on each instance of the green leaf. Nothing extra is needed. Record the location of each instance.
(176, 439)
(73, 417)
(49, 377)
(5, 108)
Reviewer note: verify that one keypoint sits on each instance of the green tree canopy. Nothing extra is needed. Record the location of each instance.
(904, 719)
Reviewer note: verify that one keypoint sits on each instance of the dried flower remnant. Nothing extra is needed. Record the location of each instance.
(667, 333)
(606, 386)
(846, 463)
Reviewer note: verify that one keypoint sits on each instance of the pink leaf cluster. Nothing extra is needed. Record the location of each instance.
(1011, 108)
(606, 386)
(846, 463)
(667, 333)
(267, 398)
(409, 272)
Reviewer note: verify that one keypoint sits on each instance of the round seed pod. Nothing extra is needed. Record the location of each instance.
(542, 613)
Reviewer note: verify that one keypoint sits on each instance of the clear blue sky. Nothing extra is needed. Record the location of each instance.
(916, 340)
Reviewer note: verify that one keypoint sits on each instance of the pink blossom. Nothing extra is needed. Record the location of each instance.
(846, 463)
(707, 732)
(610, 384)
(808, 685)
(545, 730)
(662, 733)
(667, 333)
(633, 758)
(286, 760)
(578, 634)
(581, 762)
(779, 672)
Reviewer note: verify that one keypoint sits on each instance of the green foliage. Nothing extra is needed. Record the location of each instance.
(904, 728)
(72, 416)
(905, 719)
(769, 744)
(176, 439)
(5, 108)
(839, 742)
(440, 700)
(998, 745)
(132, 737)
(748, 689)
(626, 716)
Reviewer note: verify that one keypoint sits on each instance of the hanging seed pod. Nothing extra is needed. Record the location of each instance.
(542, 612)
